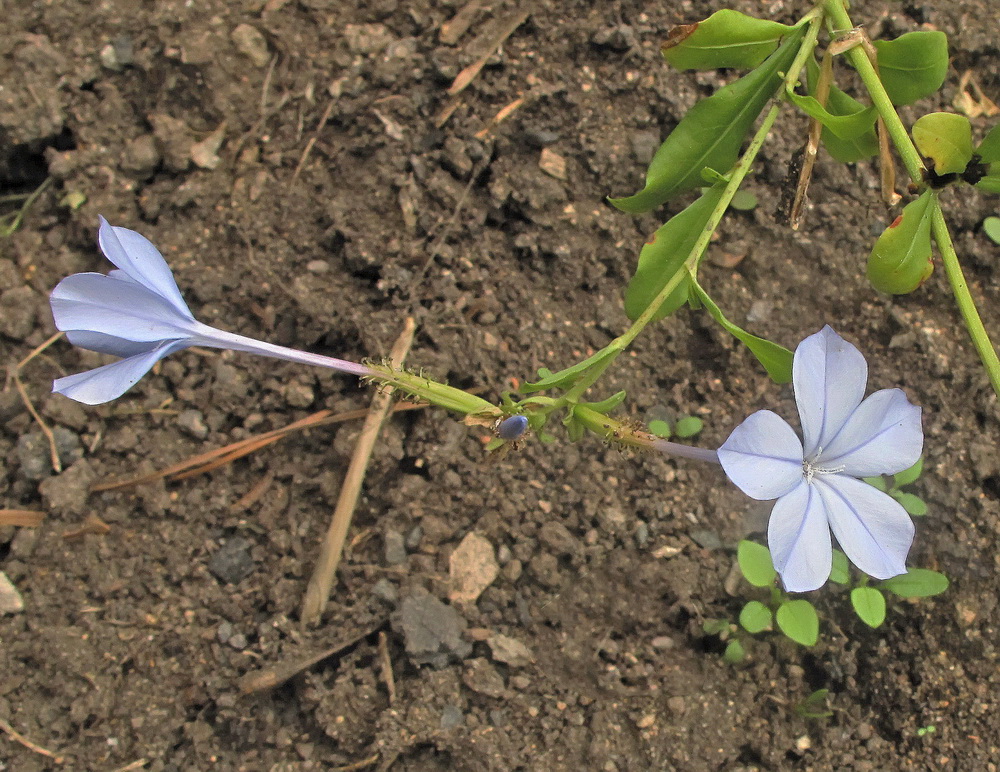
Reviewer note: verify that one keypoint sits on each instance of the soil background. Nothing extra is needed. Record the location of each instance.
(290, 162)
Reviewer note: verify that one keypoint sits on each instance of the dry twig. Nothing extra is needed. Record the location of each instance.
(318, 589)
(28, 744)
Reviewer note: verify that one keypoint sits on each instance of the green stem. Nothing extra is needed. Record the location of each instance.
(914, 164)
(963, 298)
(690, 267)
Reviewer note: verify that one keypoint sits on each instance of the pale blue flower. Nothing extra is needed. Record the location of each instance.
(137, 313)
(816, 482)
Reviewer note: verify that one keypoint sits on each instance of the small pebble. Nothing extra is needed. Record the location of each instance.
(232, 562)
(452, 717)
(11, 601)
(395, 548)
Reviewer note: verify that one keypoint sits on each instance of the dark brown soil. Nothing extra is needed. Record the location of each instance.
(337, 208)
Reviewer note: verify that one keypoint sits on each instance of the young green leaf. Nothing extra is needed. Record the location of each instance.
(664, 255)
(660, 428)
(917, 583)
(840, 572)
(755, 617)
(688, 426)
(798, 620)
(605, 406)
(869, 605)
(725, 39)
(712, 132)
(734, 653)
(989, 149)
(991, 227)
(901, 261)
(877, 482)
(755, 563)
(838, 103)
(743, 201)
(814, 706)
(566, 378)
(991, 182)
(913, 65)
(946, 139)
(909, 476)
(849, 126)
(914, 505)
(715, 626)
(777, 360)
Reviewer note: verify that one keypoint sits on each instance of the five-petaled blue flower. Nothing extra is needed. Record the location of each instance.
(137, 313)
(816, 481)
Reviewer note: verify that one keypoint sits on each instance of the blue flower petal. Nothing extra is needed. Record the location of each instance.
(871, 527)
(108, 344)
(763, 456)
(136, 256)
(121, 309)
(829, 376)
(103, 384)
(799, 539)
(883, 436)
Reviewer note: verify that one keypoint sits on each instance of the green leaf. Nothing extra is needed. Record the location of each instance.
(839, 103)
(725, 39)
(755, 617)
(990, 183)
(566, 378)
(989, 149)
(946, 139)
(914, 505)
(755, 563)
(715, 626)
(688, 426)
(798, 620)
(743, 201)
(850, 126)
(991, 227)
(876, 482)
(660, 428)
(712, 132)
(814, 706)
(901, 261)
(913, 65)
(495, 443)
(840, 571)
(664, 255)
(917, 583)
(607, 405)
(777, 360)
(869, 605)
(575, 428)
(734, 653)
(909, 476)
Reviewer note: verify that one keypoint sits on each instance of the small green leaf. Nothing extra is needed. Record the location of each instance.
(74, 199)
(755, 563)
(798, 620)
(755, 617)
(660, 428)
(734, 653)
(715, 626)
(495, 443)
(917, 583)
(850, 126)
(876, 482)
(777, 360)
(575, 428)
(606, 406)
(991, 227)
(909, 476)
(989, 149)
(814, 706)
(664, 255)
(688, 426)
(839, 103)
(725, 39)
(913, 65)
(914, 505)
(712, 132)
(743, 201)
(991, 182)
(901, 261)
(946, 139)
(840, 571)
(566, 378)
(869, 605)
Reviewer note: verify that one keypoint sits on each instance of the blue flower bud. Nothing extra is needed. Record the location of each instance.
(512, 428)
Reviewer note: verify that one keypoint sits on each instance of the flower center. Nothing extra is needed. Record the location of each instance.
(810, 467)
